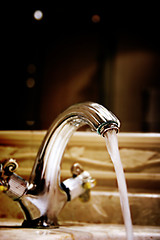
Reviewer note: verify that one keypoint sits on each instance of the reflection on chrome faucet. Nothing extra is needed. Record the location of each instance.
(44, 196)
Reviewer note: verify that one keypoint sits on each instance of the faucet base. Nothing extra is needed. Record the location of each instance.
(40, 223)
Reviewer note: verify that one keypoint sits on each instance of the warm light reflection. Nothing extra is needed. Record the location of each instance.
(30, 122)
(38, 14)
(96, 18)
(30, 82)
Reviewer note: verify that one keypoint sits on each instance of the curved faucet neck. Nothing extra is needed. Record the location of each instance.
(52, 148)
(45, 191)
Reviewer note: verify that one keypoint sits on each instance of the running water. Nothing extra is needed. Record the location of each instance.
(112, 146)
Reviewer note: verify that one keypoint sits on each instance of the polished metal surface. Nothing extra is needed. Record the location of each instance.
(45, 196)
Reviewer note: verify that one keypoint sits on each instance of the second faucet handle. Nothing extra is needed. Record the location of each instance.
(80, 183)
(76, 169)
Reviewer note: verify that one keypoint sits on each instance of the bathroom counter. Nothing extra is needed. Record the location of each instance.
(11, 230)
(140, 155)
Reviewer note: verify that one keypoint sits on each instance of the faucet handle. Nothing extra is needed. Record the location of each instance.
(79, 185)
(88, 184)
(88, 181)
(6, 170)
(10, 166)
(10, 183)
(76, 169)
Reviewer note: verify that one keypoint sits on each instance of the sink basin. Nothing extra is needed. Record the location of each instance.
(101, 217)
(11, 229)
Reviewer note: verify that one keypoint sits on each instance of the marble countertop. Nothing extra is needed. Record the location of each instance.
(12, 230)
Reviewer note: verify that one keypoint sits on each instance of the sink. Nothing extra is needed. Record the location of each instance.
(11, 229)
(101, 217)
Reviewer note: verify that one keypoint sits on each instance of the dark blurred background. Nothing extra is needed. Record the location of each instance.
(107, 53)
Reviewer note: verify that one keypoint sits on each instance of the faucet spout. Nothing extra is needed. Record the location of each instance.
(45, 195)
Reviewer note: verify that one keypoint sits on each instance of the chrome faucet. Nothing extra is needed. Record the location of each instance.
(44, 196)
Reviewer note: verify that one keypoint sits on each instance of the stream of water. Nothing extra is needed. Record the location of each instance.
(113, 150)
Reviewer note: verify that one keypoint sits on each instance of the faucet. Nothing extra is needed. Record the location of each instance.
(44, 195)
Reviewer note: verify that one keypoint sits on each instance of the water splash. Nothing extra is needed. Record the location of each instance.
(112, 147)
